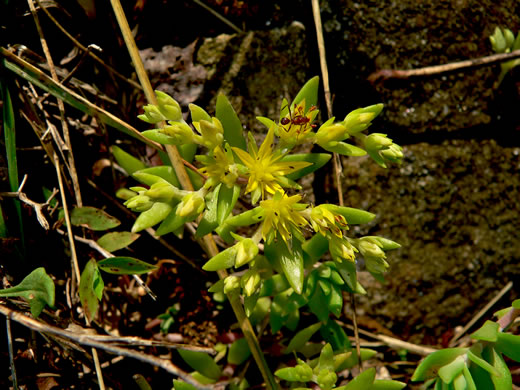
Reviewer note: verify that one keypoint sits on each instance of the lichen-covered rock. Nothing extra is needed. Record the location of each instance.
(455, 210)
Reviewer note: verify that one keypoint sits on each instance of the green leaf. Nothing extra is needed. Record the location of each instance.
(509, 345)
(302, 337)
(209, 218)
(202, 363)
(516, 302)
(363, 381)
(198, 113)
(233, 132)
(158, 136)
(266, 121)
(165, 172)
(10, 151)
(290, 261)
(348, 272)
(180, 385)
(93, 218)
(353, 216)
(433, 362)
(87, 292)
(117, 240)
(470, 383)
(260, 311)
(125, 266)
(326, 360)
(157, 213)
(335, 300)
(223, 260)
(352, 360)
(334, 334)
(37, 288)
(171, 223)
(239, 352)
(316, 159)
(384, 384)
(487, 332)
(503, 381)
(227, 198)
(475, 359)
(309, 93)
(316, 246)
(344, 149)
(482, 377)
(451, 370)
(128, 162)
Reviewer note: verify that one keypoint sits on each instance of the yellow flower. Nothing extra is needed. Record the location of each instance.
(282, 215)
(324, 221)
(266, 171)
(219, 168)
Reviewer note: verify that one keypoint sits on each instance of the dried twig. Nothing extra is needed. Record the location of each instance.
(218, 16)
(85, 339)
(384, 74)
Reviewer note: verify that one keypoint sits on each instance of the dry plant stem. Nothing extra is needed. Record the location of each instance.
(86, 50)
(336, 159)
(89, 341)
(74, 260)
(61, 106)
(439, 69)
(483, 311)
(11, 353)
(218, 16)
(182, 175)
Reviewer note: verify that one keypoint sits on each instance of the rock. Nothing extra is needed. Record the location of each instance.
(454, 209)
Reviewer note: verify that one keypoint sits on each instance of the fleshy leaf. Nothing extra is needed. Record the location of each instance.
(117, 240)
(433, 362)
(316, 159)
(37, 288)
(487, 332)
(509, 345)
(302, 337)
(316, 247)
(201, 362)
(290, 261)
(233, 132)
(93, 218)
(309, 93)
(128, 162)
(384, 384)
(227, 199)
(163, 171)
(171, 223)
(344, 149)
(451, 370)
(157, 213)
(335, 336)
(180, 385)
(223, 260)
(87, 292)
(125, 266)
(503, 381)
(363, 381)
(209, 218)
(239, 351)
(353, 216)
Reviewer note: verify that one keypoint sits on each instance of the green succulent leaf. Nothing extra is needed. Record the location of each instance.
(344, 149)
(157, 213)
(316, 159)
(383, 384)
(451, 370)
(301, 337)
(334, 334)
(128, 162)
(479, 361)
(470, 383)
(239, 352)
(171, 223)
(223, 260)
(37, 288)
(87, 291)
(180, 385)
(290, 261)
(165, 172)
(363, 381)
(227, 198)
(509, 345)
(93, 218)
(125, 266)
(352, 360)
(209, 218)
(309, 93)
(114, 241)
(158, 136)
(487, 332)
(233, 132)
(316, 246)
(202, 363)
(433, 362)
(353, 216)
(503, 381)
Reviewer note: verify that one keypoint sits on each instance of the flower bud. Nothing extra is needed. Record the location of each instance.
(250, 282)
(341, 249)
(168, 106)
(376, 265)
(164, 192)
(326, 378)
(212, 133)
(498, 41)
(181, 132)
(331, 132)
(370, 247)
(394, 153)
(358, 120)
(247, 250)
(191, 205)
(139, 203)
(231, 284)
(382, 149)
(377, 141)
(152, 114)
